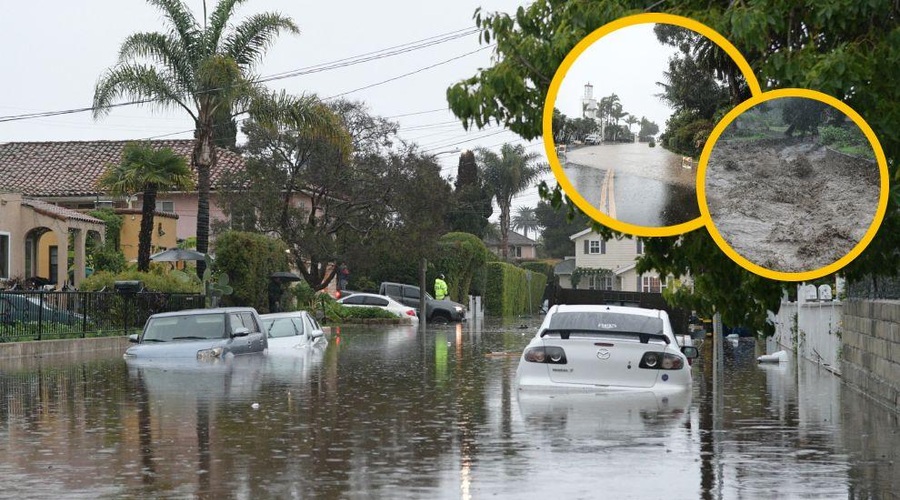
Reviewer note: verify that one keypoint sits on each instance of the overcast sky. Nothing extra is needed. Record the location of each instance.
(627, 62)
(54, 54)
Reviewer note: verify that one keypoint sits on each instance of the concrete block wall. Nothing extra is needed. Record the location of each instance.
(871, 349)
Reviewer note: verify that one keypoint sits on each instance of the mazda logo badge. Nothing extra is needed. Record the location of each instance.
(603, 354)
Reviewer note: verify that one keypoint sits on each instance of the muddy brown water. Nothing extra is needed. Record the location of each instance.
(393, 413)
(790, 205)
(652, 188)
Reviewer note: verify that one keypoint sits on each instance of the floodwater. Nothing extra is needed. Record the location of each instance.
(391, 413)
(635, 183)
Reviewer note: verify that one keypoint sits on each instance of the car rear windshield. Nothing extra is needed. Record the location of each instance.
(605, 322)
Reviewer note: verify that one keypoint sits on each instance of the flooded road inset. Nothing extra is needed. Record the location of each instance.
(390, 412)
(652, 188)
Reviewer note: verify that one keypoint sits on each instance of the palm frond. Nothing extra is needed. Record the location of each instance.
(161, 49)
(184, 24)
(218, 21)
(249, 41)
(138, 83)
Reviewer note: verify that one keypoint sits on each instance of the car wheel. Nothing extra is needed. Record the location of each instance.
(440, 317)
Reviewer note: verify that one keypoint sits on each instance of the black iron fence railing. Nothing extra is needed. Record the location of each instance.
(38, 315)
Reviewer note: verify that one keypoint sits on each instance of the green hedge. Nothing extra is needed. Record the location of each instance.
(507, 287)
(460, 256)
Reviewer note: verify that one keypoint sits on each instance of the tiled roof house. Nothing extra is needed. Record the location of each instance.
(66, 173)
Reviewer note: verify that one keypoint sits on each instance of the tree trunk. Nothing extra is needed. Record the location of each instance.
(146, 231)
(204, 160)
(504, 231)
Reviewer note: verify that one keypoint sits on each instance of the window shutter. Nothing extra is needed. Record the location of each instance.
(586, 243)
(603, 246)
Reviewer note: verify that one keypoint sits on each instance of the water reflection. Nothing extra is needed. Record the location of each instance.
(392, 412)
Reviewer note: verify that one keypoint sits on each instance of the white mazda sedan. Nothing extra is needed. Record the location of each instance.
(596, 347)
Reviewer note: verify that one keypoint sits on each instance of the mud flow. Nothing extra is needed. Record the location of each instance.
(790, 204)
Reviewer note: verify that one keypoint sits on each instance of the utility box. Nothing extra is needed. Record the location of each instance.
(128, 286)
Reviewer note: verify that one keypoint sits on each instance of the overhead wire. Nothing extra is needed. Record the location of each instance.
(340, 63)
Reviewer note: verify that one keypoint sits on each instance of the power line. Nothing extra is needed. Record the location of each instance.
(404, 75)
(340, 63)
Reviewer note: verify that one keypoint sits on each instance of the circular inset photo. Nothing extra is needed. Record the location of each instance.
(793, 185)
(630, 111)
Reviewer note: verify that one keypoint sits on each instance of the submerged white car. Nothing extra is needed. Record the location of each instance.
(596, 347)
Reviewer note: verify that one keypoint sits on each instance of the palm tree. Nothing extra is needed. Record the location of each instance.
(631, 120)
(509, 173)
(525, 219)
(207, 71)
(149, 170)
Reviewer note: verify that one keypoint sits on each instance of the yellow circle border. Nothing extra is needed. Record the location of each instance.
(553, 91)
(882, 199)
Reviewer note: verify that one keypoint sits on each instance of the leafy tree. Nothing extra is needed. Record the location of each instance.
(205, 69)
(509, 173)
(852, 56)
(648, 130)
(149, 170)
(316, 196)
(526, 220)
(557, 226)
(802, 115)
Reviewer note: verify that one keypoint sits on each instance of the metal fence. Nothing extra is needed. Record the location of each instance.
(39, 315)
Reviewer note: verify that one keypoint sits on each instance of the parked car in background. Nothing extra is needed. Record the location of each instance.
(592, 139)
(591, 347)
(291, 330)
(200, 333)
(382, 302)
(436, 311)
(28, 307)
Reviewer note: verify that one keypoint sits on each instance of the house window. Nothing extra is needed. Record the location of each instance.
(165, 206)
(515, 251)
(639, 247)
(601, 283)
(653, 284)
(594, 247)
(4, 256)
(54, 253)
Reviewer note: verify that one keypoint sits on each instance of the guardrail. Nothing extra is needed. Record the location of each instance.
(43, 315)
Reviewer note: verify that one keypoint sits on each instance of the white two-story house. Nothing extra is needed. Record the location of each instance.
(618, 257)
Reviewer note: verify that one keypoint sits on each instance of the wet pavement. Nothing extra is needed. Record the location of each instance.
(635, 183)
(393, 413)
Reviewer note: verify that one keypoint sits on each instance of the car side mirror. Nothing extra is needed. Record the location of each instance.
(242, 331)
(133, 338)
(316, 334)
(690, 352)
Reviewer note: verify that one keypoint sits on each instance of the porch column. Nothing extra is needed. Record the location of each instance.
(80, 243)
(62, 257)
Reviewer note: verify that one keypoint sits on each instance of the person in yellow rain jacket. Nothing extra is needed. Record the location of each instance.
(440, 288)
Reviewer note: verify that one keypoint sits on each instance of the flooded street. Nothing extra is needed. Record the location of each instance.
(391, 413)
(635, 183)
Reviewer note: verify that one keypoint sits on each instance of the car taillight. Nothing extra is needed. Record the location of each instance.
(553, 355)
(661, 361)
(410, 312)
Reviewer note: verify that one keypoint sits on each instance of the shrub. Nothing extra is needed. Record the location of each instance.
(461, 255)
(249, 259)
(154, 281)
